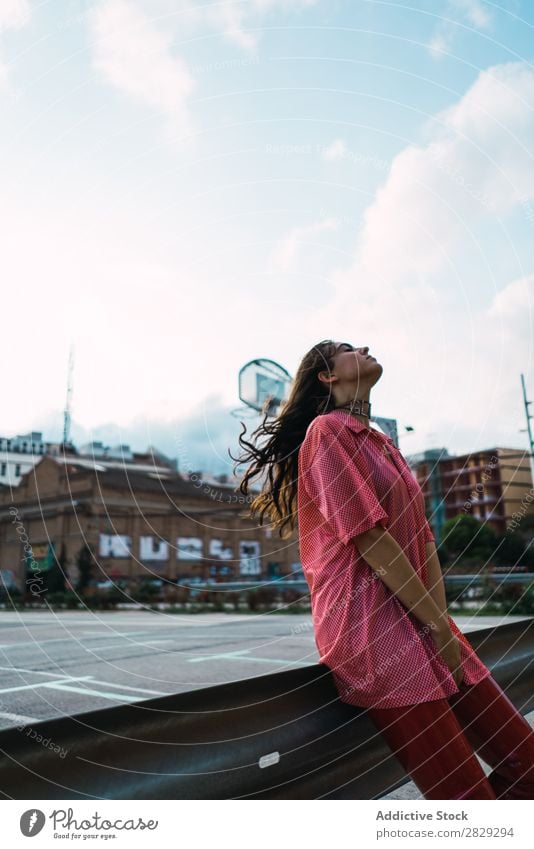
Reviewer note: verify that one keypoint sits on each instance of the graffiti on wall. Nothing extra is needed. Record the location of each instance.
(189, 548)
(153, 548)
(114, 545)
(249, 557)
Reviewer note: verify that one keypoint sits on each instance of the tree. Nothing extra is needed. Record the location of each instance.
(55, 577)
(465, 537)
(514, 550)
(84, 562)
(525, 526)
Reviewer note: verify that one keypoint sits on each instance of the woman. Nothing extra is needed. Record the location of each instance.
(376, 587)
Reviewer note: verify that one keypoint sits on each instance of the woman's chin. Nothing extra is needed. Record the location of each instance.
(377, 370)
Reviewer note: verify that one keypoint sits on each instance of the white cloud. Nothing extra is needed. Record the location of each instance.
(132, 45)
(336, 150)
(438, 46)
(477, 160)
(409, 294)
(477, 13)
(134, 55)
(287, 251)
(14, 14)
(231, 19)
(467, 13)
(510, 306)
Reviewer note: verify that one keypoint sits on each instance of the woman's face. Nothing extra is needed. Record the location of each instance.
(353, 363)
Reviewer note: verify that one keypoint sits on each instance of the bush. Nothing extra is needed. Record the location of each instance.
(57, 599)
(234, 598)
(176, 595)
(261, 597)
(517, 600)
(454, 594)
(71, 601)
(10, 597)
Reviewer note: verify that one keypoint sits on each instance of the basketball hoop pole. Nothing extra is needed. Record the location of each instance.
(267, 406)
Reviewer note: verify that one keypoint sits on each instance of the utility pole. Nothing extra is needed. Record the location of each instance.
(66, 415)
(528, 428)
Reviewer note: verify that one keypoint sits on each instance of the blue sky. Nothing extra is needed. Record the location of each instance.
(187, 186)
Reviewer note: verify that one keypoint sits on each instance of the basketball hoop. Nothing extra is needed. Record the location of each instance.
(263, 387)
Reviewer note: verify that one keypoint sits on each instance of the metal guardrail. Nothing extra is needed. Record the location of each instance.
(280, 736)
(301, 585)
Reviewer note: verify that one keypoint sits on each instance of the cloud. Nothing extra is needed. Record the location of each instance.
(14, 14)
(231, 19)
(286, 252)
(477, 161)
(134, 56)
(336, 150)
(410, 291)
(132, 45)
(466, 13)
(477, 13)
(508, 306)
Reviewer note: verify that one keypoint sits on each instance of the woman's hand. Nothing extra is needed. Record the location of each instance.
(448, 646)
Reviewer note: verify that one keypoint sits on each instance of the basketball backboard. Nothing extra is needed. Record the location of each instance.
(263, 386)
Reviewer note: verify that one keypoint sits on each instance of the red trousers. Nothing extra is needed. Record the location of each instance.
(436, 744)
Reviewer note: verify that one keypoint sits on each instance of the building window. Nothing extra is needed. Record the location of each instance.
(3, 469)
(17, 470)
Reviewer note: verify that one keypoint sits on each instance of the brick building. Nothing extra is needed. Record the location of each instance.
(138, 523)
(489, 485)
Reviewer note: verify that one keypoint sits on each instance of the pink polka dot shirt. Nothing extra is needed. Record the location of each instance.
(380, 655)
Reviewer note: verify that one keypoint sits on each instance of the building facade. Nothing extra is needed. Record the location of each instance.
(489, 485)
(137, 523)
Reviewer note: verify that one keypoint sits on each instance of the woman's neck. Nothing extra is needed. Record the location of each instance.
(360, 408)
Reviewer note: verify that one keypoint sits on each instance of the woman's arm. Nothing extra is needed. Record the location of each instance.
(436, 587)
(383, 553)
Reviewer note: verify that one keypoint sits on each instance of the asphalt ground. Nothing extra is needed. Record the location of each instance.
(53, 664)
(58, 663)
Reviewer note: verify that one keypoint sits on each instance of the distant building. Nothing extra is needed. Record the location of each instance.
(144, 521)
(19, 454)
(490, 485)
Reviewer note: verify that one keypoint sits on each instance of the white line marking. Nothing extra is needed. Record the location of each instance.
(37, 642)
(34, 672)
(125, 687)
(95, 649)
(18, 719)
(42, 684)
(112, 633)
(238, 653)
(122, 646)
(102, 695)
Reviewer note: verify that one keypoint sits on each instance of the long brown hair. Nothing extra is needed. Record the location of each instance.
(278, 457)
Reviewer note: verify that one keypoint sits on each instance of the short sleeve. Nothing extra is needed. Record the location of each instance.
(428, 535)
(342, 492)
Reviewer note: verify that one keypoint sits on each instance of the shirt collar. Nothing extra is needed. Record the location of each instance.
(354, 424)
